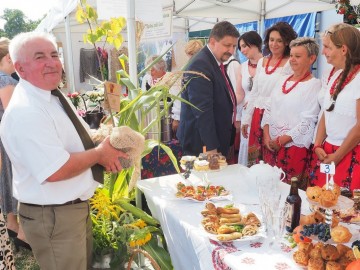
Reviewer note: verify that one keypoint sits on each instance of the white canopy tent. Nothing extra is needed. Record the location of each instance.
(190, 15)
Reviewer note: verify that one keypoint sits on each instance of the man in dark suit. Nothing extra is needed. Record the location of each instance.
(211, 124)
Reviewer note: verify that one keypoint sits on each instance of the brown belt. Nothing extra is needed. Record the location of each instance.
(55, 205)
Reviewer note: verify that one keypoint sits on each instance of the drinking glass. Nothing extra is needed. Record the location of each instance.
(278, 222)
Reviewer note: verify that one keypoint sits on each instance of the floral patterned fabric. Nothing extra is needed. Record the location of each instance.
(292, 160)
(254, 255)
(347, 172)
(158, 163)
(256, 146)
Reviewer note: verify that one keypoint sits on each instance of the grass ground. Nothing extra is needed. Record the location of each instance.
(24, 259)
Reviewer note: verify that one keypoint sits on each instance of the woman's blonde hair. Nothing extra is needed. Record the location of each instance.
(4, 47)
(193, 47)
(344, 35)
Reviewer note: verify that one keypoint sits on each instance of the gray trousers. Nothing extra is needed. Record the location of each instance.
(60, 236)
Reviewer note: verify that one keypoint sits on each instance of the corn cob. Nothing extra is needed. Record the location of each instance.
(137, 212)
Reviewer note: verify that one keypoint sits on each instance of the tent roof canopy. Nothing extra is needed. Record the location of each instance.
(249, 10)
(237, 11)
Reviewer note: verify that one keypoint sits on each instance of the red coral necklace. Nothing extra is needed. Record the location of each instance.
(286, 91)
(331, 74)
(267, 71)
(350, 76)
(252, 65)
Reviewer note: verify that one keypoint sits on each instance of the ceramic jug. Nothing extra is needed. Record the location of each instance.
(266, 172)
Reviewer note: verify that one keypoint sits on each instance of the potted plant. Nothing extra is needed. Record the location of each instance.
(120, 228)
(94, 111)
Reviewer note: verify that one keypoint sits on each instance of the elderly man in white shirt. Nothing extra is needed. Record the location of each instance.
(51, 170)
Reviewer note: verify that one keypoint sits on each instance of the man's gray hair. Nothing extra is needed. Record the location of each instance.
(19, 42)
(160, 65)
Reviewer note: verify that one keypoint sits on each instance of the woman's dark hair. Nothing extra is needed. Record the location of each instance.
(286, 32)
(344, 34)
(251, 38)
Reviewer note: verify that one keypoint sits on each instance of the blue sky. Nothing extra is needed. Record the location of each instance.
(33, 9)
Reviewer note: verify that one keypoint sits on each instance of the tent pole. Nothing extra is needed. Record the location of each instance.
(70, 68)
(261, 23)
(132, 41)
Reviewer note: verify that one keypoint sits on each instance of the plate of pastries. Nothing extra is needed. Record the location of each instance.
(227, 223)
(327, 198)
(320, 256)
(204, 162)
(337, 232)
(201, 192)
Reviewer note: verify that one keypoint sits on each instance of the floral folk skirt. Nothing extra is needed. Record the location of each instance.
(347, 172)
(256, 146)
(292, 160)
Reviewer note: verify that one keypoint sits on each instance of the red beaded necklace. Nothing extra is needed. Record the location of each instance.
(331, 74)
(350, 76)
(252, 65)
(267, 71)
(286, 91)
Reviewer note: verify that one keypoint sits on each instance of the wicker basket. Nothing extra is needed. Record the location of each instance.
(136, 251)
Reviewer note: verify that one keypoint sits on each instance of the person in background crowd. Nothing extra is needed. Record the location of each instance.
(191, 48)
(249, 44)
(155, 73)
(269, 70)
(291, 113)
(211, 123)
(337, 139)
(233, 70)
(52, 174)
(8, 203)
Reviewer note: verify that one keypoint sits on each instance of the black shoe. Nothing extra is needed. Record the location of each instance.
(20, 243)
(12, 233)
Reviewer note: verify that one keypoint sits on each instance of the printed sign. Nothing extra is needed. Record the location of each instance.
(327, 168)
(161, 29)
(113, 92)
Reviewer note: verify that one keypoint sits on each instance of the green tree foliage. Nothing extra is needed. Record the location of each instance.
(16, 22)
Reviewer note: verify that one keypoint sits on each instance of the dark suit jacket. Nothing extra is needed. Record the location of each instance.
(211, 126)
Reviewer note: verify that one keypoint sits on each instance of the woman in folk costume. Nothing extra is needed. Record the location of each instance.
(338, 135)
(269, 70)
(249, 44)
(291, 114)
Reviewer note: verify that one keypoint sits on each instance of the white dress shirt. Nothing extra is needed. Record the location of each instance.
(38, 137)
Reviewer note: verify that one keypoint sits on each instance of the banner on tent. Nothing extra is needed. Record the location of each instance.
(145, 11)
(161, 29)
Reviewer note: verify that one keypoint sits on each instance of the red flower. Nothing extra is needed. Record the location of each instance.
(341, 10)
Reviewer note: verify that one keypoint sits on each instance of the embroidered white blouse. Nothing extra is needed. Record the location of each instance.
(245, 83)
(295, 113)
(262, 89)
(342, 119)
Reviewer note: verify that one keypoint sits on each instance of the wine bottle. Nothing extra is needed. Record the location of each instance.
(293, 206)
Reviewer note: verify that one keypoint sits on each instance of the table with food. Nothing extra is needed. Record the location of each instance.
(215, 219)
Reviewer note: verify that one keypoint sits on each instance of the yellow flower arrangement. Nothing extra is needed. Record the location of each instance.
(119, 227)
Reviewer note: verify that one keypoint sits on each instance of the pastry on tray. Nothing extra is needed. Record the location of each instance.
(340, 234)
(200, 193)
(328, 198)
(230, 224)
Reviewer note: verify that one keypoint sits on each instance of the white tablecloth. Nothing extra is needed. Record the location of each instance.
(190, 246)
